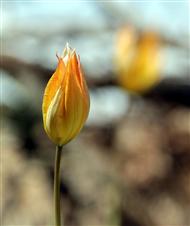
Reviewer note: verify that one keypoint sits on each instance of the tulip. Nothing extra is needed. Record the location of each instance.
(66, 99)
(65, 109)
(137, 62)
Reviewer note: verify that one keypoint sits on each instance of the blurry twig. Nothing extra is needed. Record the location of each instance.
(174, 91)
(13, 66)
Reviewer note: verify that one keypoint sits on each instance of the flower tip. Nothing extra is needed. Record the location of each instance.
(73, 52)
(68, 48)
(57, 55)
(67, 45)
(66, 51)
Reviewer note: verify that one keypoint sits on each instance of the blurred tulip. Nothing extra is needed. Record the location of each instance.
(66, 100)
(137, 63)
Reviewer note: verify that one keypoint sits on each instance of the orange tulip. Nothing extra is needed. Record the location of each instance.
(66, 100)
(137, 62)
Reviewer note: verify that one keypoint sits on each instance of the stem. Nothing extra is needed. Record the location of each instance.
(57, 185)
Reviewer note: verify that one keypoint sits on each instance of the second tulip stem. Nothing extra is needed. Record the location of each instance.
(57, 185)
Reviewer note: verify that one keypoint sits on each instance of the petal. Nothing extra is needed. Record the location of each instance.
(52, 87)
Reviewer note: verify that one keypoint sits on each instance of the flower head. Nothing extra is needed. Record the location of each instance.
(66, 101)
(137, 61)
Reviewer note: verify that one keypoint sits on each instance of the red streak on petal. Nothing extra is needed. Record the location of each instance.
(76, 68)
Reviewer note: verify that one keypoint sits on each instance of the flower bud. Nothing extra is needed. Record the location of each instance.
(137, 62)
(66, 100)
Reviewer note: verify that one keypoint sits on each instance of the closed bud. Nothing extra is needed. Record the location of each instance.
(137, 61)
(66, 100)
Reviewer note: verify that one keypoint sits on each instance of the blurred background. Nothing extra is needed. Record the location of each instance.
(130, 165)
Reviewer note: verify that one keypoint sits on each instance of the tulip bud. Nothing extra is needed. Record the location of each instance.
(66, 100)
(137, 62)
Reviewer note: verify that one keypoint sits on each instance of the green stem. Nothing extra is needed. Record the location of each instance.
(57, 185)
